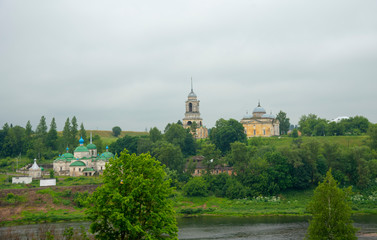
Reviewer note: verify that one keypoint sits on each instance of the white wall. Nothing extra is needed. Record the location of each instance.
(24, 179)
(47, 182)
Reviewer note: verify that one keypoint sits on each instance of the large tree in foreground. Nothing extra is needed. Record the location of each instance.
(133, 201)
(331, 212)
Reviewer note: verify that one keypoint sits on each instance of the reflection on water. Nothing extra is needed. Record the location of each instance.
(236, 228)
(243, 228)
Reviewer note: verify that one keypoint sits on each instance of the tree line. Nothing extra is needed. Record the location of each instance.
(260, 168)
(43, 142)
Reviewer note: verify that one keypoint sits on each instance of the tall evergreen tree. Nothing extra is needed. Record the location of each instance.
(331, 211)
(52, 136)
(28, 129)
(41, 131)
(67, 133)
(83, 132)
(74, 131)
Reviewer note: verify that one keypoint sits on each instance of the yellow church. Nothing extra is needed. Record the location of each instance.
(260, 124)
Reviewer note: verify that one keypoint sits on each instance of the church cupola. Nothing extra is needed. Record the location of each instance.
(192, 113)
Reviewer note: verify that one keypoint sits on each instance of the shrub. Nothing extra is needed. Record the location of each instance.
(196, 187)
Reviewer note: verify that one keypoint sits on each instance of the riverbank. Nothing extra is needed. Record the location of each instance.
(66, 203)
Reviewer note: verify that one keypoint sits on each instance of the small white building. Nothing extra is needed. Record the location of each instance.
(35, 171)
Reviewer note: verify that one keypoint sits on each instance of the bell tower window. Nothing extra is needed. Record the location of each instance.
(190, 107)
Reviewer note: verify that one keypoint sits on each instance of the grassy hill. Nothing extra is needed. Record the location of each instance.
(108, 137)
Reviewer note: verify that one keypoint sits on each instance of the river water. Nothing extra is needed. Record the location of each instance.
(205, 228)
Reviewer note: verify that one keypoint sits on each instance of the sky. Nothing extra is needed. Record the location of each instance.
(129, 63)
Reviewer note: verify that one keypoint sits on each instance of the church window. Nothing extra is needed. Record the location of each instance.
(189, 123)
(79, 169)
(264, 131)
(61, 168)
(254, 132)
(190, 107)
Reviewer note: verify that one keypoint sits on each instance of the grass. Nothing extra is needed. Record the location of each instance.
(82, 180)
(290, 203)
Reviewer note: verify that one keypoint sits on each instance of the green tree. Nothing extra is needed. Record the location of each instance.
(83, 132)
(283, 122)
(52, 136)
(117, 131)
(28, 129)
(170, 155)
(155, 134)
(133, 201)
(331, 210)
(196, 187)
(211, 156)
(226, 132)
(74, 131)
(372, 132)
(41, 130)
(67, 133)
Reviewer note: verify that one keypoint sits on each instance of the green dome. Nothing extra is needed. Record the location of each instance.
(88, 170)
(67, 155)
(81, 149)
(106, 155)
(77, 164)
(91, 146)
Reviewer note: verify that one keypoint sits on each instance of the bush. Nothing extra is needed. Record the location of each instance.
(234, 189)
(196, 187)
(80, 199)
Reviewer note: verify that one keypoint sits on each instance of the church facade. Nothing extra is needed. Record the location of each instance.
(192, 117)
(85, 161)
(260, 124)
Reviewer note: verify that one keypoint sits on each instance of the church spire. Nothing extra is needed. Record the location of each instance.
(192, 89)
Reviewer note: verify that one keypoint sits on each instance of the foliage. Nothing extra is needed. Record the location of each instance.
(127, 142)
(132, 203)
(196, 187)
(155, 134)
(80, 198)
(283, 122)
(170, 155)
(372, 133)
(116, 131)
(331, 211)
(181, 137)
(226, 132)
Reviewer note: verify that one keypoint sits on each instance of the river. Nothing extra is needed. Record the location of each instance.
(205, 228)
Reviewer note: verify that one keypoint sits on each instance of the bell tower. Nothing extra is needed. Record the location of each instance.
(192, 110)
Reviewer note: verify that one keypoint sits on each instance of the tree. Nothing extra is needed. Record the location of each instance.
(211, 156)
(117, 131)
(83, 132)
(372, 132)
(133, 201)
(74, 131)
(283, 122)
(170, 155)
(41, 130)
(155, 134)
(226, 132)
(331, 212)
(52, 136)
(196, 187)
(67, 132)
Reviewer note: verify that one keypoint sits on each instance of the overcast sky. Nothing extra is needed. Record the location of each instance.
(129, 63)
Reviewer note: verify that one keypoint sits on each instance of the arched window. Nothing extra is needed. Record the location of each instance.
(190, 107)
(189, 123)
